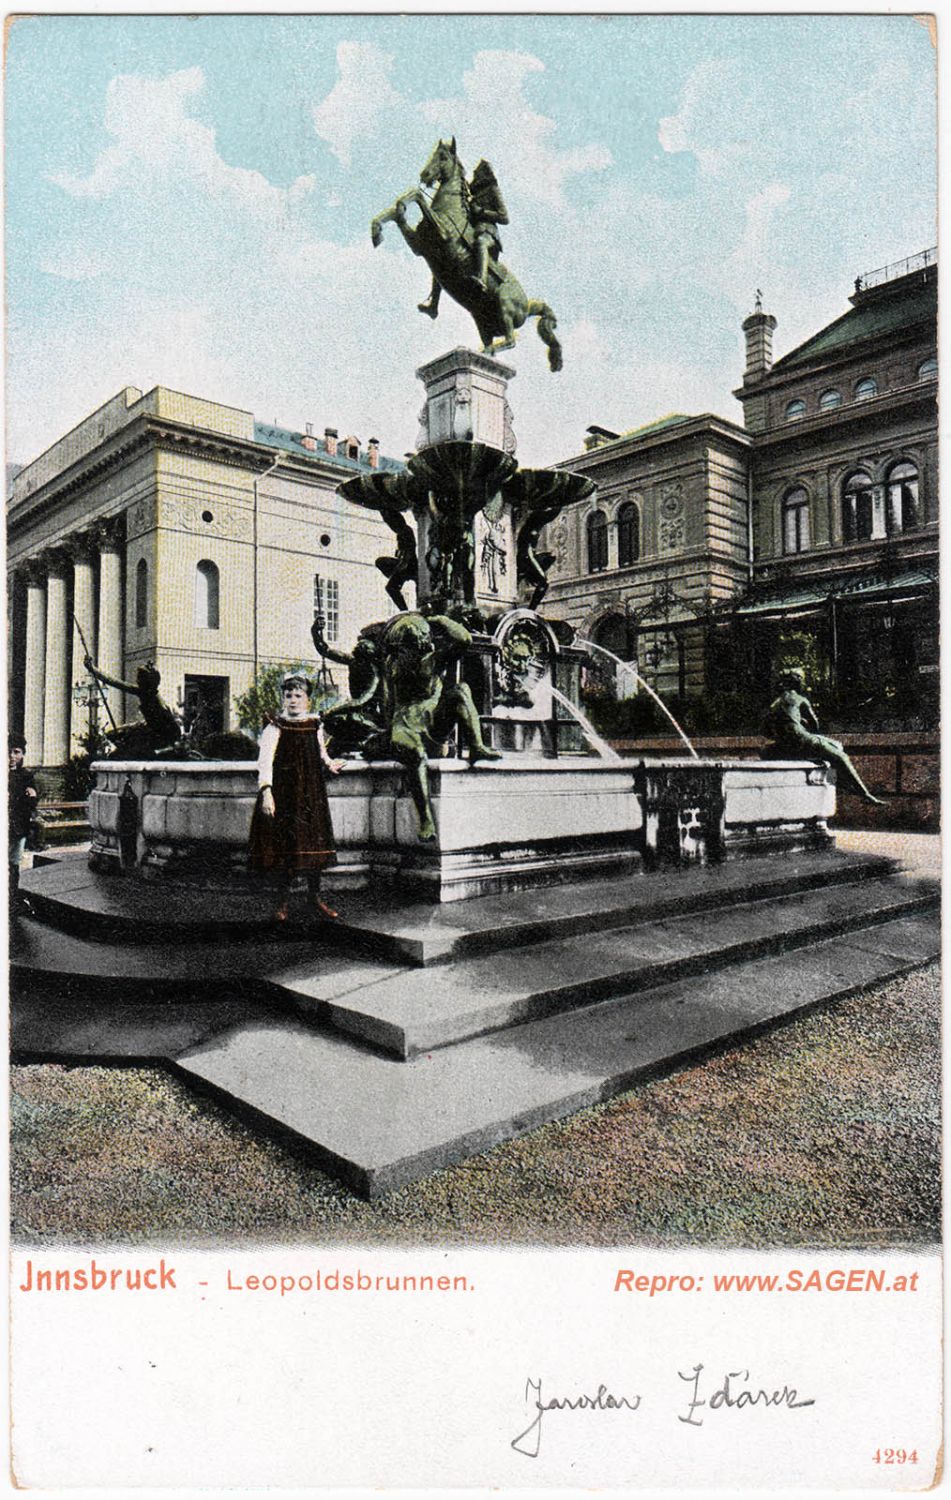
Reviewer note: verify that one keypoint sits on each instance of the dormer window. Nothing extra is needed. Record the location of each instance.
(829, 399)
(866, 389)
(928, 369)
(795, 411)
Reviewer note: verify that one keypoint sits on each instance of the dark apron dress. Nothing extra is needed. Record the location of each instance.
(300, 835)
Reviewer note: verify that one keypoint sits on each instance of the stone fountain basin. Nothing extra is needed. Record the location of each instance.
(512, 824)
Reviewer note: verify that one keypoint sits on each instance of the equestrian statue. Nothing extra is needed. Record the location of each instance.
(458, 237)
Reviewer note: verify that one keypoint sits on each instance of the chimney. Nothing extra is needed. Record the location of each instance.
(308, 440)
(758, 328)
(330, 441)
(373, 453)
(596, 437)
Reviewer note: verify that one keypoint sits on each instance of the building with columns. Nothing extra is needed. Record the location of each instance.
(710, 544)
(175, 530)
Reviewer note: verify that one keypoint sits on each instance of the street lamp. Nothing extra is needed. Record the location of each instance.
(86, 695)
(254, 548)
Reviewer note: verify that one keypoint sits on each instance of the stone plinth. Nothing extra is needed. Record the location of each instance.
(465, 401)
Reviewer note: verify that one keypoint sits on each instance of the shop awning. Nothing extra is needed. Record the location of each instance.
(868, 586)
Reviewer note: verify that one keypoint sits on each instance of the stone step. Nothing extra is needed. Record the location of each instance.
(411, 1012)
(112, 909)
(379, 1123)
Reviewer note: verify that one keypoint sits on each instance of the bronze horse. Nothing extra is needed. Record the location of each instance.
(445, 240)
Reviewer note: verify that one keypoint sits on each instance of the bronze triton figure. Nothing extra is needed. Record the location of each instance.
(458, 238)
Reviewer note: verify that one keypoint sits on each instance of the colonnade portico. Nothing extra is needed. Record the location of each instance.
(75, 586)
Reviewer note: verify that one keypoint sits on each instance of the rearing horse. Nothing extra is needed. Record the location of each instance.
(445, 240)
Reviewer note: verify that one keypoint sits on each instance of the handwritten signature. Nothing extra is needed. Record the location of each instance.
(532, 1436)
(725, 1395)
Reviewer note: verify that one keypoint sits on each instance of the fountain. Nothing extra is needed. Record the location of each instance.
(628, 666)
(503, 783)
(468, 773)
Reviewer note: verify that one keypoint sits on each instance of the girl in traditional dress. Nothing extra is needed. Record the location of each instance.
(291, 831)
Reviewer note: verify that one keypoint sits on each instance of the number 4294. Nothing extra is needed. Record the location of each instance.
(895, 1456)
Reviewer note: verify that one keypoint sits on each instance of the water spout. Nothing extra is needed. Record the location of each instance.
(629, 667)
(601, 746)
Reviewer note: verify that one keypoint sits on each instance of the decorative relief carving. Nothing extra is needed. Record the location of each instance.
(508, 429)
(188, 515)
(559, 542)
(671, 501)
(140, 517)
(671, 535)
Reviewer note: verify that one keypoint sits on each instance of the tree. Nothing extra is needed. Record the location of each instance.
(263, 697)
(77, 777)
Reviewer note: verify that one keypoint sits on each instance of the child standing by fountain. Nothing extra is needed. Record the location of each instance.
(291, 830)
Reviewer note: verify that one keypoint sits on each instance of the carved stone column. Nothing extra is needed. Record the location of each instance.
(109, 643)
(56, 703)
(35, 663)
(84, 613)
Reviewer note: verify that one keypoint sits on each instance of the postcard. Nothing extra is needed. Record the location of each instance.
(473, 730)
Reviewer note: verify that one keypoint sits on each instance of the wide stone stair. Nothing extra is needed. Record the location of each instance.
(406, 1036)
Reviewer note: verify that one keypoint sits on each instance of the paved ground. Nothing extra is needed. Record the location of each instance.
(825, 1132)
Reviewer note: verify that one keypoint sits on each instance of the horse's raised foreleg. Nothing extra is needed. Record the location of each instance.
(396, 214)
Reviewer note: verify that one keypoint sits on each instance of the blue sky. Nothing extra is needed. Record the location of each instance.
(188, 203)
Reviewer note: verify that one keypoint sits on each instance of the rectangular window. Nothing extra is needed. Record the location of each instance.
(327, 603)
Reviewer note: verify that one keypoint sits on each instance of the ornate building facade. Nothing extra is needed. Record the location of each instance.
(709, 545)
(170, 529)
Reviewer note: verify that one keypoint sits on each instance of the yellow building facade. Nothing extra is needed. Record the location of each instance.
(171, 529)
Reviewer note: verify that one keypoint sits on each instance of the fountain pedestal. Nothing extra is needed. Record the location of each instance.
(466, 402)
(500, 826)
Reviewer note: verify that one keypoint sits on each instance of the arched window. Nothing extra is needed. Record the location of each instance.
(928, 369)
(141, 594)
(206, 595)
(597, 542)
(829, 399)
(796, 533)
(628, 534)
(614, 634)
(866, 388)
(795, 410)
(857, 508)
(901, 512)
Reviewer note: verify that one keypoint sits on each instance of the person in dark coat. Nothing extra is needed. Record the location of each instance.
(22, 798)
(291, 829)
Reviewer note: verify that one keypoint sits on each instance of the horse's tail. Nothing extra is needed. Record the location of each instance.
(547, 323)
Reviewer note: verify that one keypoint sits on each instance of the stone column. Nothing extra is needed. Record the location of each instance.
(84, 612)
(56, 704)
(35, 664)
(109, 644)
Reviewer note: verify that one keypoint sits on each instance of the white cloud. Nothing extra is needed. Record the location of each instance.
(495, 120)
(75, 265)
(357, 104)
(154, 135)
(713, 121)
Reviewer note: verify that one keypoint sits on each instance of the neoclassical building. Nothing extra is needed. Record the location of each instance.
(708, 542)
(171, 529)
